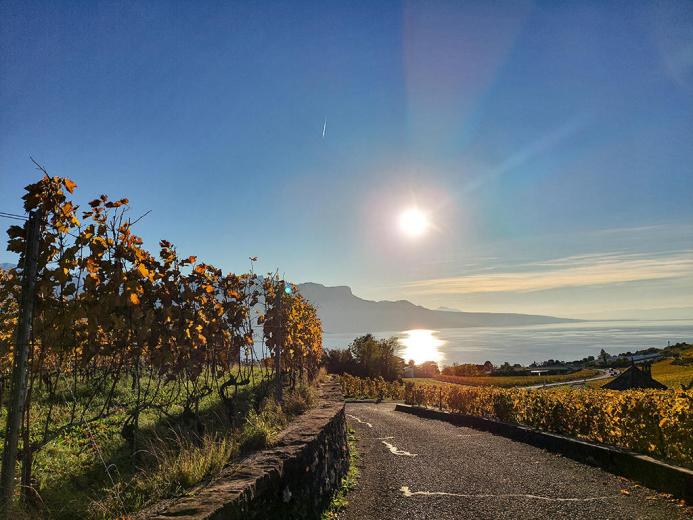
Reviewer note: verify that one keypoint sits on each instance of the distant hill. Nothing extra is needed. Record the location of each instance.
(7, 266)
(341, 311)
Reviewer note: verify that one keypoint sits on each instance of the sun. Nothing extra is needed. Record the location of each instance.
(413, 222)
(421, 345)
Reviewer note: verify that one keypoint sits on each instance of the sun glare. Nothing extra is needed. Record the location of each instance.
(421, 345)
(413, 222)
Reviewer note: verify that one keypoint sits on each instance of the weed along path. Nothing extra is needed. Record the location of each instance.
(414, 468)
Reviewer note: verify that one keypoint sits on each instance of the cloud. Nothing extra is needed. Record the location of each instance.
(574, 271)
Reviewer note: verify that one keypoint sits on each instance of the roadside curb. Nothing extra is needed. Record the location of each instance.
(641, 468)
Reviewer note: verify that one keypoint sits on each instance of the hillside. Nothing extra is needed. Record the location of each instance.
(341, 311)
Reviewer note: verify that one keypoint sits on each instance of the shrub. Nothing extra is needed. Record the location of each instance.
(656, 422)
(365, 388)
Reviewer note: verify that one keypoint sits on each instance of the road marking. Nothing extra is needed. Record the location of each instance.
(408, 493)
(396, 451)
(359, 420)
(384, 438)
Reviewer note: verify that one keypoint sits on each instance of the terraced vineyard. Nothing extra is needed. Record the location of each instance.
(510, 381)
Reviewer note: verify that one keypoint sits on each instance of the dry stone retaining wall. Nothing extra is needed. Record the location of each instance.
(293, 479)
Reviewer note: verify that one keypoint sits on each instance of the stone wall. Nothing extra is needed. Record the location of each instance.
(293, 479)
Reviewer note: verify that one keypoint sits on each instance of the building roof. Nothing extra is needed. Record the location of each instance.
(634, 377)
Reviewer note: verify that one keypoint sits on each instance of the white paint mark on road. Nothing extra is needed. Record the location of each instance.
(408, 493)
(396, 451)
(383, 438)
(359, 420)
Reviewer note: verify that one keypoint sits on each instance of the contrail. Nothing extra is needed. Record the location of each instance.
(324, 127)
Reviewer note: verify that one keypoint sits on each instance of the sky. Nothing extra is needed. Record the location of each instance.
(549, 143)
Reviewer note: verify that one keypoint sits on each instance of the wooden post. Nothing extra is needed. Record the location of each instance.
(279, 344)
(15, 405)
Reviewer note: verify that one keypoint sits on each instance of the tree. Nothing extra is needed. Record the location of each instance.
(427, 369)
(377, 357)
(340, 361)
(603, 357)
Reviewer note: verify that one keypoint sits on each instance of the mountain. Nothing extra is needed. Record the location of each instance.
(7, 266)
(449, 309)
(341, 311)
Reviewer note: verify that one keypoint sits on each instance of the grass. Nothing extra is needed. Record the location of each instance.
(339, 500)
(505, 381)
(90, 472)
(175, 469)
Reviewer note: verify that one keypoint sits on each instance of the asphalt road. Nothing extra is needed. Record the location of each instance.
(414, 468)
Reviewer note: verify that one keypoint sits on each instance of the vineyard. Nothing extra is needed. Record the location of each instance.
(509, 381)
(368, 388)
(144, 374)
(654, 422)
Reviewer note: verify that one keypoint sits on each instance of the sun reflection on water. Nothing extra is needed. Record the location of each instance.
(421, 345)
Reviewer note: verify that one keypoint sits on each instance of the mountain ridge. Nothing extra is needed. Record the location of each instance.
(341, 311)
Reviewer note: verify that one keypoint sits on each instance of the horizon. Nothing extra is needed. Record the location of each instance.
(546, 148)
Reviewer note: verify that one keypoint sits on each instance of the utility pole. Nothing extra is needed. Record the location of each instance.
(279, 344)
(15, 410)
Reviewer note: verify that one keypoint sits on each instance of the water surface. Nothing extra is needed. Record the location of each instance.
(525, 344)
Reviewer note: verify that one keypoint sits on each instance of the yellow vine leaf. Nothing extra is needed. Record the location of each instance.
(69, 185)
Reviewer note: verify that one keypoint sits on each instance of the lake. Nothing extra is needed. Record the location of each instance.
(525, 344)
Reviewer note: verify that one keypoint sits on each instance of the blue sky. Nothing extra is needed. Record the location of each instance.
(550, 142)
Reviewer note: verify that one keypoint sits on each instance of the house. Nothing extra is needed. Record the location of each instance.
(634, 377)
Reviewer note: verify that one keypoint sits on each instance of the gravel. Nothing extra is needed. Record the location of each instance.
(415, 468)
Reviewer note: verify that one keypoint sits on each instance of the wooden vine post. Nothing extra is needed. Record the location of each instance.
(15, 410)
(279, 345)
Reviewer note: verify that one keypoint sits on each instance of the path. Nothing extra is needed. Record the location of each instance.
(414, 468)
